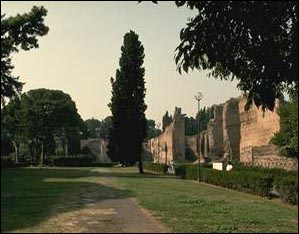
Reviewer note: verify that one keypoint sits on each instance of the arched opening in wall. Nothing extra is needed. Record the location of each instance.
(165, 149)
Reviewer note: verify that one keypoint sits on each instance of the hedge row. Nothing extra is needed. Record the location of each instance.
(72, 162)
(287, 187)
(257, 181)
(156, 167)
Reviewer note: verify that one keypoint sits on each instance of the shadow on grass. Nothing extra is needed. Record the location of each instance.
(31, 196)
(127, 172)
(120, 172)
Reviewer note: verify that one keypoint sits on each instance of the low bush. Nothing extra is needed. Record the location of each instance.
(156, 167)
(253, 182)
(287, 187)
(9, 163)
(180, 170)
(75, 161)
(6, 162)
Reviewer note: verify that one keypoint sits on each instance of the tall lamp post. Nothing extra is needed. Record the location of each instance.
(198, 97)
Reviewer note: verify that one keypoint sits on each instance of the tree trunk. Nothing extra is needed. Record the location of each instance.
(42, 154)
(17, 150)
(140, 167)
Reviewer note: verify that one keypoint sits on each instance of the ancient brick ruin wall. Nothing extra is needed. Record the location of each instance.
(170, 145)
(231, 130)
(213, 142)
(191, 144)
(266, 156)
(257, 129)
(178, 143)
(239, 135)
(161, 146)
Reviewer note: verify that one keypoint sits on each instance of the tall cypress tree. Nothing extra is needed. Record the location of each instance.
(127, 104)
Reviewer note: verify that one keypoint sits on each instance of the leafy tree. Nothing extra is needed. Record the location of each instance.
(255, 42)
(166, 120)
(203, 117)
(152, 131)
(287, 137)
(106, 125)
(93, 127)
(97, 128)
(40, 116)
(127, 104)
(11, 126)
(191, 126)
(18, 32)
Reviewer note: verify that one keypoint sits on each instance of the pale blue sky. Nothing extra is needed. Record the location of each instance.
(82, 49)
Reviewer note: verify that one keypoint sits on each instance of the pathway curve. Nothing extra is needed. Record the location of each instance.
(106, 211)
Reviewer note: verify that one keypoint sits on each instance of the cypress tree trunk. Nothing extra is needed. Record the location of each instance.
(42, 154)
(140, 166)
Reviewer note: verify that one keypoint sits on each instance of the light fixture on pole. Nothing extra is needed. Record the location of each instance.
(198, 97)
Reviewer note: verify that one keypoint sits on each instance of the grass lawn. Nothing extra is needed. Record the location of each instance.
(29, 196)
(187, 206)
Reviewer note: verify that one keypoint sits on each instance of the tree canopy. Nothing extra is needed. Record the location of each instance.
(127, 105)
(18, 32)
(254, 42)
(152, 130)
(203, 117)
(287, 137)
(40, 116)
(97, 128)
(166, 120)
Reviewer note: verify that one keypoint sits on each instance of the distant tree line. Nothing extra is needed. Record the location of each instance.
(98, 128)
(203, 118)
(191, 123)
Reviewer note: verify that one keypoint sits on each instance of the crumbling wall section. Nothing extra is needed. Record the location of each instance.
(170, 145)
(231, 130)
(256, 128)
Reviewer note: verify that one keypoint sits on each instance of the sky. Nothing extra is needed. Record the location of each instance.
(82, 49)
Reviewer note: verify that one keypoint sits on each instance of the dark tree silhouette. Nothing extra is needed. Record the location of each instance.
(127, 105)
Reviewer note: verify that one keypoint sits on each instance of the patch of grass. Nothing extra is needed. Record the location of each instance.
(29, 197)
(187, 206)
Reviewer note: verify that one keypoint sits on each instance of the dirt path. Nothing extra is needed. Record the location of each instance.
(106, 212)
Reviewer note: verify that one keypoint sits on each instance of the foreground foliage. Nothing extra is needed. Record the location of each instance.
(18, 32)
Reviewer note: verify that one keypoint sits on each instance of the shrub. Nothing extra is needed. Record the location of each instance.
(6, 162)
(250, 182)
(156, 167)
(192, 172)
(77, 161)
(180, 170)
(287, 187)
(255, 183)
(255, 180)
